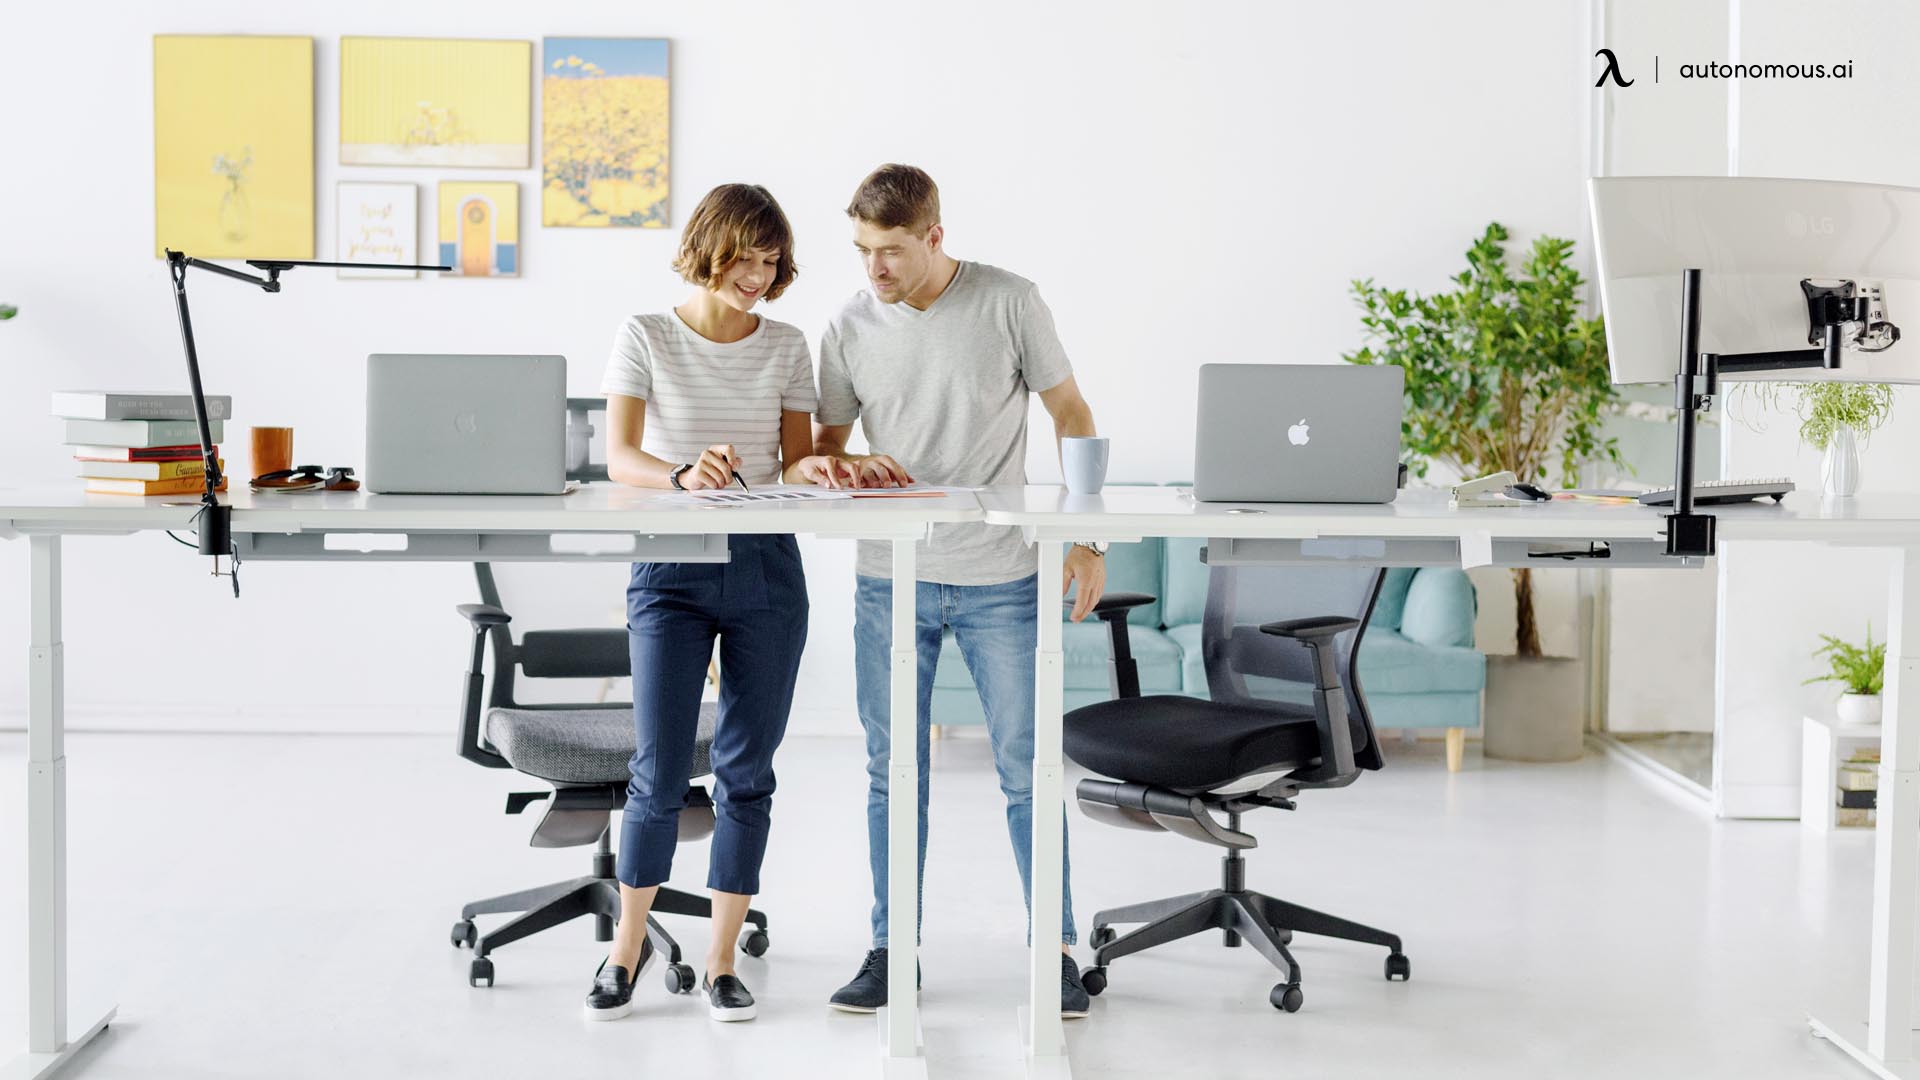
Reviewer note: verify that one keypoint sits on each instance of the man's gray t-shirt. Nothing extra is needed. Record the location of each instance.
(944, 392)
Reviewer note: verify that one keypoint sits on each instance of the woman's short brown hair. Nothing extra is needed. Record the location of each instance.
(731, 219)
(897, 197)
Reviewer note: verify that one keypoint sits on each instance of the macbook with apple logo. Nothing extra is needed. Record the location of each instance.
(1299, 433)
(466, 424)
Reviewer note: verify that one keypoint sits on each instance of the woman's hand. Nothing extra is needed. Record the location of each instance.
(715, 468)
(824, 471)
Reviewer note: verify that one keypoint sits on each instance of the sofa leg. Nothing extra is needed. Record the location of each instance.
(1456, 747)
(933, 732)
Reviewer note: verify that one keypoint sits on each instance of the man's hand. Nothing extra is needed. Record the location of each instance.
(880, 471)
(1090, 570)
(824, 470)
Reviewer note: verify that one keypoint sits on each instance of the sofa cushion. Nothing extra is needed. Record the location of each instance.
(1193, 665)
(1387, 610)
(1085, 652)
(1440, 608)
(1136, 568)
(1186, 581)
(1391, 664)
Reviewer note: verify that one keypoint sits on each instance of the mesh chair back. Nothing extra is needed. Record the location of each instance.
(1245, 666)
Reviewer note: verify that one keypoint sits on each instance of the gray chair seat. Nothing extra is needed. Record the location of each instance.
(581, 746)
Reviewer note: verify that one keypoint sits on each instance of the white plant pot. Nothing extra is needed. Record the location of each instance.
(1840, 470)
(1859, 710)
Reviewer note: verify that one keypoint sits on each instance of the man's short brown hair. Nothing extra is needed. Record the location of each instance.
(729, 220)
(897, 197)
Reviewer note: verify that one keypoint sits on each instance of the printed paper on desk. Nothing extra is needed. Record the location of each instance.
(909, 491)
(736, 497)
(1476, 549)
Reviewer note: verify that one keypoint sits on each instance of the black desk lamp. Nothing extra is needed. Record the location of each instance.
(214, 521)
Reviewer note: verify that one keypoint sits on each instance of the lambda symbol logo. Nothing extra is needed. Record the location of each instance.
(1612, 71)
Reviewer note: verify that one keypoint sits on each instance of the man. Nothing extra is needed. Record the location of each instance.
(936, 361)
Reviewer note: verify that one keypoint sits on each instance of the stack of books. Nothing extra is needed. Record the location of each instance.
(1859, 788)
(140, 444)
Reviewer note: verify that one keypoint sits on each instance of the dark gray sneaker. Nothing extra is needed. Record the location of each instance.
(727, 999)
(1074, 1000)
(868, 990)
(612, 995)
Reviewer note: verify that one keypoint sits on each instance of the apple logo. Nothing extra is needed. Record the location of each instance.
(1297, 434)
(466, 423)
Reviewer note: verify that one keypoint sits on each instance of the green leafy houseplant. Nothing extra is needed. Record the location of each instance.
(8, 311)
(1860, 669)
(1502, 373)
(1827, 407)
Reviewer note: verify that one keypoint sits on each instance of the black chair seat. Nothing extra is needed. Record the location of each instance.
(1189, 744)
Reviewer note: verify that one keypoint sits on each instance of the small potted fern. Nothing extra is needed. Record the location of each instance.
(1860, 670)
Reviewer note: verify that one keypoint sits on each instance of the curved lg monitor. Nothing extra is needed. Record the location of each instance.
(1754, 241)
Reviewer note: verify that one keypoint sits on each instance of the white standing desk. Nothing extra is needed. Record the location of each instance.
(598, 522)
(1419, 529)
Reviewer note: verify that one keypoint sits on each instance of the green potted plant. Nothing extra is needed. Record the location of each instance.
(1503, 373)
(1861, 672)
(1835, 417)
(8, 311)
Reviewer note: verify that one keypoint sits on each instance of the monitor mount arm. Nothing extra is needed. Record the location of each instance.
(1831, 307)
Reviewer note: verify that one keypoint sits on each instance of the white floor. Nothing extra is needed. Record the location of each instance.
(278, 906)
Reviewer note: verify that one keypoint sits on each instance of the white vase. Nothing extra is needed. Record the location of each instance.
(1840, 470)
(1859, 710)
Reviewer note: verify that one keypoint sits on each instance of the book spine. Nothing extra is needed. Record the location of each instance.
(137, 453)
(145, 470)
(103, 406)
(189, 486)
(1857, 800)
(142, 433)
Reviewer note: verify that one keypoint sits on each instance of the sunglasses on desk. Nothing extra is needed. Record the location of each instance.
(307, 478)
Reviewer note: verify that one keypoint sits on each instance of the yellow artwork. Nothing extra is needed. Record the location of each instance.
(480, 227)
(420, 101)
(233, 146)
(604, 132)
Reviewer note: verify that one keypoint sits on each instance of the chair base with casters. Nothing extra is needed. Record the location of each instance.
(1179, 761)
(583, 751)
(1265, 922)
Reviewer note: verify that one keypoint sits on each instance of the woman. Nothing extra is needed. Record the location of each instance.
(700, 397)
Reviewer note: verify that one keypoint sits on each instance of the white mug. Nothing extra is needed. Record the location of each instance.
(1083, 462)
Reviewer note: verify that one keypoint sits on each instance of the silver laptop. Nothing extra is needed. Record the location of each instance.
(1298, 433)
(466, 425)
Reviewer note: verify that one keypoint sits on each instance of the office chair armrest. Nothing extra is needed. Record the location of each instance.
(1113, 602)
(1124, 674)
(1316, 628)
(484, 615)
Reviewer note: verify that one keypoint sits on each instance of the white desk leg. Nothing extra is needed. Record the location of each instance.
(47, 1045)
(900, 1022)
(1886, 1043)
(1045, 1039)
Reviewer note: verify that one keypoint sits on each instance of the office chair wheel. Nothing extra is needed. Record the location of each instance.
(463, 933)
(1095, 980)
(1286, 997)
(1398, 967)
(1102, 936)
(679, 979)
(755, 943)
(482, 968)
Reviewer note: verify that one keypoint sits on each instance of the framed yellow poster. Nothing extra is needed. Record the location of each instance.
(233, 146)
(430, 101)
(603, 131)
(480, 228)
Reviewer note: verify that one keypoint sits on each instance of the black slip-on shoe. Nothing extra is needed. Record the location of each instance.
(612, 995)
(868, 990)
(1074, 1000)
(727, 999)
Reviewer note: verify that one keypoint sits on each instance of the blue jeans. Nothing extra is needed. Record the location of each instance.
(995, 627)
(756, 604)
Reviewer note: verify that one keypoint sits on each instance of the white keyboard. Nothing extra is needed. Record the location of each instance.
(1721, 492)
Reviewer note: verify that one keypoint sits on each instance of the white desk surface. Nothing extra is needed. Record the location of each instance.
(598, 507)
(1423, 512)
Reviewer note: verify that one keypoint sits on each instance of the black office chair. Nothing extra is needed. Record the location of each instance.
(582, 750)
(1286, 715)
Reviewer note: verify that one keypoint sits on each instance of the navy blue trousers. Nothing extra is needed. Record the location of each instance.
(756, 604)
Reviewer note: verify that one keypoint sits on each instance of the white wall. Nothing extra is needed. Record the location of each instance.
(1187, 184)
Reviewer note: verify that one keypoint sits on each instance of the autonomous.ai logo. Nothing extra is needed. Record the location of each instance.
(1612, 70)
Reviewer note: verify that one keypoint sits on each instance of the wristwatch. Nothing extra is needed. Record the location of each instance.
(1098, 547)
(674, 476)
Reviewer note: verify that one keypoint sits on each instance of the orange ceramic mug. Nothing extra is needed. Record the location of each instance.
(272, 449)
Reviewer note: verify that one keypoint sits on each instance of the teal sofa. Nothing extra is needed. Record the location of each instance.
(1417, 662)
